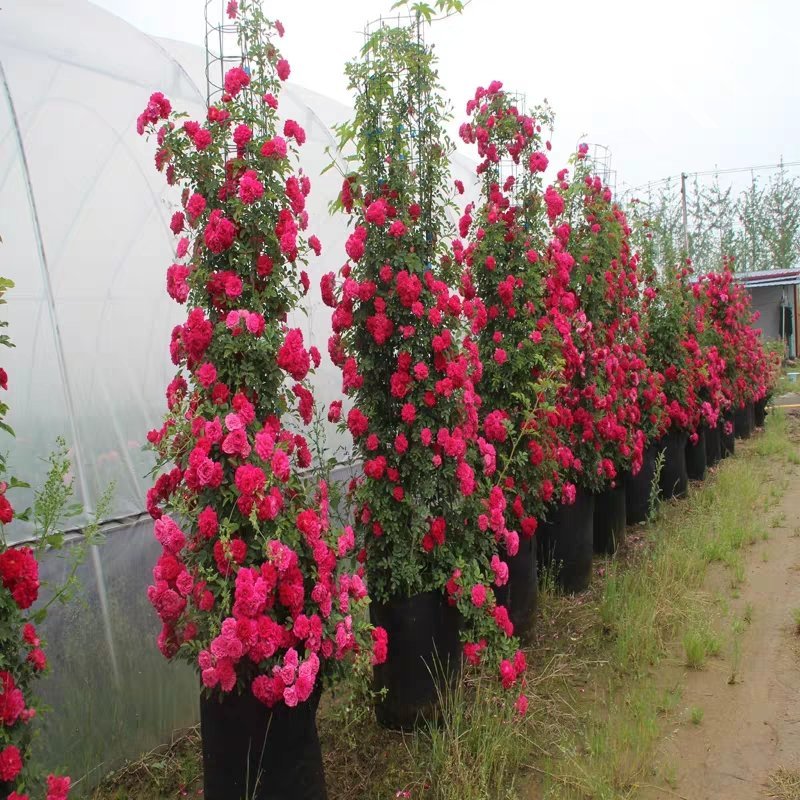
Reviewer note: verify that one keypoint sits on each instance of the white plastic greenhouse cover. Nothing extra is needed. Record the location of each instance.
(84, 223)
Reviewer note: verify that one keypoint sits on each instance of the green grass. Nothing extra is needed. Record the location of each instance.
(696, 715)
(796, 619)
(597, 712)
(698, 645)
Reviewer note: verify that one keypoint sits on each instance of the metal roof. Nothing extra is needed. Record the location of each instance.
(769, 277)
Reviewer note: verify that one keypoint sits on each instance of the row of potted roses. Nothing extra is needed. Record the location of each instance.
(489, 378)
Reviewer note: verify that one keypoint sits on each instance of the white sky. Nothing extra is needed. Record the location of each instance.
(684, 85)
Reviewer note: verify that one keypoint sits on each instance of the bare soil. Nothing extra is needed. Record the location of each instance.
(750, 727)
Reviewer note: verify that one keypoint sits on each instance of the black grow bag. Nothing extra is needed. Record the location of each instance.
(638, 488)
(251, 752)
(727, 440)
(760, 412)
(609, 518)
(521, 593)
(673, 481)
(565, 542)
(424, 656)
(713, 445)
(743, 422)
(696, 456)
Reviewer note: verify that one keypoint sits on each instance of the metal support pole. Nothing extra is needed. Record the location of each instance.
(685, 216)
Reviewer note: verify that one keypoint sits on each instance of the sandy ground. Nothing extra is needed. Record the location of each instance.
(750, 728)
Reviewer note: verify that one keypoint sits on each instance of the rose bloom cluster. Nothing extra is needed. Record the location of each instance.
(251, 585)
(743, 372)
(428, 509)
(505, 259)
(426, 497)
(611, 403)
(673, 349)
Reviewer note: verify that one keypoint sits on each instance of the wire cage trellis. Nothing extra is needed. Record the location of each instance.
(507, 170)
(402, 129)
(229, 44)
(599, 158)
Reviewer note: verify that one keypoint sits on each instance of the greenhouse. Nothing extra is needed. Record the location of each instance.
(323, 424)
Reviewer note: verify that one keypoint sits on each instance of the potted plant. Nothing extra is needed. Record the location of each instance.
(727, 313)
(610, 398)
(505, 258)
(673, 350)
(429, 517)
(255, 586)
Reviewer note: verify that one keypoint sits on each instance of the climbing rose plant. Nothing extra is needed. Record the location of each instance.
(611, 402)
(252, 585)
(727, 322)
(505, 259)
(22, 657)
(428, 511)
(670, 330)
(680, 346)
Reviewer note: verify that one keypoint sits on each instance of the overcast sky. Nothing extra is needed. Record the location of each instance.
(687, 85)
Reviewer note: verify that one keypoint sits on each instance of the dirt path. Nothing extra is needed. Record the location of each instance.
(750, 728)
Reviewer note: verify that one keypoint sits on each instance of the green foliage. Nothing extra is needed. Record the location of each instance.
(52, 509)
(401, 152)
(397, 133)
(427, 11)
(509, 228)
(698, 644)
(654, 500)
(796, 620)
(759, 228)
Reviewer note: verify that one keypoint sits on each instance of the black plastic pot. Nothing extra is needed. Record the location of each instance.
(609, 518)
(565, 542)
(760, 412)
(251, 752)
(742, 422)
(673, 481)
(727, 440)
(638, 488)
(521, 594)
(696, 456)
(424, 656)
(713, 445)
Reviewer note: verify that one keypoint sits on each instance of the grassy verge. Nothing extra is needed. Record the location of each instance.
(785, 785)
(597, 707)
